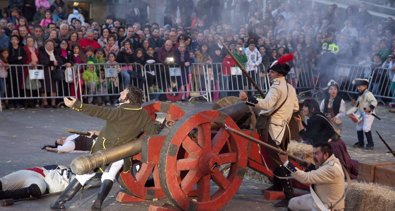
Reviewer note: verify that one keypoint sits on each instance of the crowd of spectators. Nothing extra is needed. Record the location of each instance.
(40, 33)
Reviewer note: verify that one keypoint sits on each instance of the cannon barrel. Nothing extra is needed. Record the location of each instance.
(237, 112)
(86, 163)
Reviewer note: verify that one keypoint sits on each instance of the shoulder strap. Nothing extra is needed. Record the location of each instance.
(286, 97)
(317, 199)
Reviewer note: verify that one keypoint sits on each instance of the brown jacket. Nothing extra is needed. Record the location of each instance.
(123, 124)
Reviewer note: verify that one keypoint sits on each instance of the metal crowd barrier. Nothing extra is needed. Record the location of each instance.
(302, 77)
(381, 80)
(208, 81)
(169, 82)
(110, 79)
(26, 84)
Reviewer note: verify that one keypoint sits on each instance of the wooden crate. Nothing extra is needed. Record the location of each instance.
(367, 171)
(385, 175)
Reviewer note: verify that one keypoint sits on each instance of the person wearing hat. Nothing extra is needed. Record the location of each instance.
(333, 106)
(366, 103)
(272, 123)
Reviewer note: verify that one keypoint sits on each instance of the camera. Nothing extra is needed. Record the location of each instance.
(170, 60)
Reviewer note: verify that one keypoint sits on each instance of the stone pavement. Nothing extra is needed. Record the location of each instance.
(24, 132)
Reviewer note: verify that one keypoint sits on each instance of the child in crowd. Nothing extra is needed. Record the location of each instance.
(90, 55)
(91, 80)
(47, 19)
(111, 73)
(366, 103)
(100, 56)
(103, 88)
(3, 70)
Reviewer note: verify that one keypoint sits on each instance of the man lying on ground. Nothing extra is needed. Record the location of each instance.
(72, 143)
(34, 182)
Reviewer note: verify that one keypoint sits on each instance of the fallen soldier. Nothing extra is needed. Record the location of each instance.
(34, 182)
(72, 143)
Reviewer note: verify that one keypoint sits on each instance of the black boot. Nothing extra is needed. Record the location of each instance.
(287, 188)
(33, 190)
(67, 194)
(105, 189)
(276, 181)
(360, 142)
(369, 139)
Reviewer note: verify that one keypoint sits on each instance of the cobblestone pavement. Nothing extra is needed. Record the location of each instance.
(24, 132)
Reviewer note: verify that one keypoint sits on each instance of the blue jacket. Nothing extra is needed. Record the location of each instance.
(4, 41)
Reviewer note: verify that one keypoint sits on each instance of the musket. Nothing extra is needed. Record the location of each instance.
(82, 133)
(385, 143)
(245, 73)
(268, 146)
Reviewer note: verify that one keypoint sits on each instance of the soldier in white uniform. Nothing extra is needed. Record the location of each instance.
(33, 182)
(366, 103)
(280, 103)
(327, 182)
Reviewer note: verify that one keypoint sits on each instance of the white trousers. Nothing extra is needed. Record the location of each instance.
(301, 203)
(366, 123)
(23, 179)
(109, 174)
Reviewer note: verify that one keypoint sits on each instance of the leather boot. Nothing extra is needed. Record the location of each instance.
(369, 139)
(105, 189)
(360, 142)
(67, 194)
(276, 181)
(287, 188)
(33, 190)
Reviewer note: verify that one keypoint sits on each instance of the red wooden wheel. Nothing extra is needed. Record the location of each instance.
(142, 182)
(193, 159)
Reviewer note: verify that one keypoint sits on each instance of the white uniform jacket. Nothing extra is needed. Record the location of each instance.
(366, 100)
(274, 98)
(328, 182)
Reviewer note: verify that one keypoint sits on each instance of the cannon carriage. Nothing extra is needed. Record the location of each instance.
(195, 161)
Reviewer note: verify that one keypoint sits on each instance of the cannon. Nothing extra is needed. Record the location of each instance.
(197, 162)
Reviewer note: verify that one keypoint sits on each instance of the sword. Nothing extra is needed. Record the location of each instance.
(385, 143)
(377, 117)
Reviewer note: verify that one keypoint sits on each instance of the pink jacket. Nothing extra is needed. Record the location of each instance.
(45, 22)
(42, 4)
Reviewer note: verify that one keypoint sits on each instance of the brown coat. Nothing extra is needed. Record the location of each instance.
(123, 124)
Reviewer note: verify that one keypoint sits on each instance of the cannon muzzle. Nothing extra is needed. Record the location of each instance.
(86, 163)
(239, 112)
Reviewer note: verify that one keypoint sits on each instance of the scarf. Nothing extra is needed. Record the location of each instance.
(51, 55)
(64, 53)
(33, 55)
